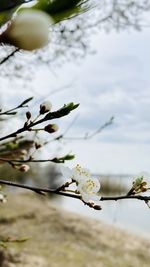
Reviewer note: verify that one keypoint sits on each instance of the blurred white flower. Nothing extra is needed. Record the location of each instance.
(29, 30)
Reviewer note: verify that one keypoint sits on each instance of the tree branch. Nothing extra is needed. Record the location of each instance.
(31, 160)
(38, 189)
(65, 110)
(72, 195)
(88, 135)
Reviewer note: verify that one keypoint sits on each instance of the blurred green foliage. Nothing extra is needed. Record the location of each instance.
(57, 9)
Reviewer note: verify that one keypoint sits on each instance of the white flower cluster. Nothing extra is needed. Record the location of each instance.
(87, 186)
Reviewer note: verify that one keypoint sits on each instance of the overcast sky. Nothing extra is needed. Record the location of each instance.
(115, 81)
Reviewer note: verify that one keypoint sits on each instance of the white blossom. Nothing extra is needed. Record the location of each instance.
(89, 189)
(87, 186)
(76, 174)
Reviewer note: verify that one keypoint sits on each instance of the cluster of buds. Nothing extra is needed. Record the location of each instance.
(138, 186)
(28, 30)
(45, 107)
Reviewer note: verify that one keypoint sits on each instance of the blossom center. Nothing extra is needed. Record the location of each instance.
(81, 171)
(89, 186)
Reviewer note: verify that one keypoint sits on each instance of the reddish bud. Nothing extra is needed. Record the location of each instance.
(97, 207)
(51, 128)
(28, 115)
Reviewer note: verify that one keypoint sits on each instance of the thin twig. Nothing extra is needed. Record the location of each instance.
(139, 197)
(88, 136)
(12, 111)
(9, 56)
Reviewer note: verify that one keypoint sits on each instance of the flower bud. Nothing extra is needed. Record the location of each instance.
(45, 107)
(97, 207)
(28, 115)
(137, 182)
(29, 30)
(51, 128)
(24, 168)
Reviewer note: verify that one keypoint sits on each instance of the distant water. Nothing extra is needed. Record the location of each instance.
(132, 215)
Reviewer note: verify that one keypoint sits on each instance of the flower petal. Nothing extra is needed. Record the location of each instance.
(80, 173)
(88, 198)
(85, 197)
(66, 172)
(95, 197)
(97, 185)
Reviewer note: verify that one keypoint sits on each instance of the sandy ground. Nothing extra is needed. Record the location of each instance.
(61, 239)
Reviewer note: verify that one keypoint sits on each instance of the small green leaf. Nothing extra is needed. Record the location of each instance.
(11, 113)
(26, 101)
(66, 157)
(70, 106)
(12, 145)
(65, 110)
